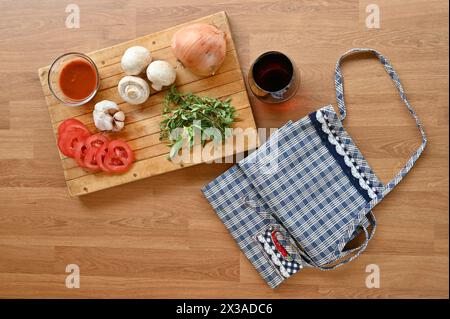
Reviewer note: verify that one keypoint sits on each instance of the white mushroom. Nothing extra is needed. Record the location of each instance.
(161, 73)
(133, 90)
(135, 60)
(108, 116)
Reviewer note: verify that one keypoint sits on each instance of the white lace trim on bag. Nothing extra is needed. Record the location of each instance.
(273, 256)
(334, 139)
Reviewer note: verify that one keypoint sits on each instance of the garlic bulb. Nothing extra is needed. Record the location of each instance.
(133, 90)
(135, 60)
(200, 47)
(108, 116)
(161, 73)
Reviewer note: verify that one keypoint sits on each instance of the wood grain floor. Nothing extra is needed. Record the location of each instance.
(159, 237)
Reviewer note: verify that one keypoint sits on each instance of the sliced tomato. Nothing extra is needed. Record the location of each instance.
(69, 138)
(76, 127)
(93, 143)
(100, 157)
(80, 153)
(90, 159)
(119, 157)
(69, 123)
(96, 140)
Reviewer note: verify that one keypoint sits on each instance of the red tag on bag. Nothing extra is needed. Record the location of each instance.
(280, 248)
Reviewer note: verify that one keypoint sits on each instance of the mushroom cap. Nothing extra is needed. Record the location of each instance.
(161, 73)
(135, 60)
(133, 90)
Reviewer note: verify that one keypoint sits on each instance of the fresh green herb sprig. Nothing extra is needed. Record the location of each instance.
(181, 114)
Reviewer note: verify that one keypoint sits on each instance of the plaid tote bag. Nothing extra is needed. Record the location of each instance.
(305, 193)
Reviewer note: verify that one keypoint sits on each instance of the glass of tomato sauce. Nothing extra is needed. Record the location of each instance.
(73, 79)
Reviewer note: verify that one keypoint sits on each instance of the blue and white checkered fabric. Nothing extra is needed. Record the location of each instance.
(304, 189)
(227, 195)
(310, 181)
(308, 190)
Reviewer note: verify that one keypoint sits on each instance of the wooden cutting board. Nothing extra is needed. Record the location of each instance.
(142, 122)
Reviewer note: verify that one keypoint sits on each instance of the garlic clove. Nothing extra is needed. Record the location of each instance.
(103, 121)
(118, 126)
(106, 106)
(119, 116)
(108, 117)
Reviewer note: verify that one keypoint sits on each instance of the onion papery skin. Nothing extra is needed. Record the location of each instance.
(200, 47)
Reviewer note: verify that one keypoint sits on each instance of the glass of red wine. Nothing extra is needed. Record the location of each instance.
(273, 77)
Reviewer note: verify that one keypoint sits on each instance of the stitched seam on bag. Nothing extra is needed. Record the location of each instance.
(266, 257)
(360, 215)
(339, 159)
(269, 258)
(321, 258)
(356, 218)
(355, 152)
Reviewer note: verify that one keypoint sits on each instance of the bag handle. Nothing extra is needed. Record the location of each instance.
(367, 211)
(339, 81)
(357, 251)
(309, 261)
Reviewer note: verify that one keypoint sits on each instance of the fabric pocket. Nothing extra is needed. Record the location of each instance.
(277, 250)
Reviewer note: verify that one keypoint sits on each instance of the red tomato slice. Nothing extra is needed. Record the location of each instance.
(90, 159)
(119, 157)
(100, 156)
(69, 138)
(96, 140)
(80, 153)
(68, 123)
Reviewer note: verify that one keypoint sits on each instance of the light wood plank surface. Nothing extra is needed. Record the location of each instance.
(142, 122)
(159, 237)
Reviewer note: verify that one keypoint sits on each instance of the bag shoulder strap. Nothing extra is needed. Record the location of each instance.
(339, 82)
(351, 254)
(367, 211)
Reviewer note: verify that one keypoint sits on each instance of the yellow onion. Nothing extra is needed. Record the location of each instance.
(200, 47)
